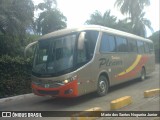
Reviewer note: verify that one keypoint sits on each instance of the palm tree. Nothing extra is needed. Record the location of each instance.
(134, 8)
(139, 25)
(106, 19)
(50, 19)
(124, 25)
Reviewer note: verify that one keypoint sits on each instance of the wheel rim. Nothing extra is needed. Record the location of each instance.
(102, 87)
(143, 74)
(143, 77)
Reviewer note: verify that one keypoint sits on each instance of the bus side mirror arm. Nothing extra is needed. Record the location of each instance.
(28, 46)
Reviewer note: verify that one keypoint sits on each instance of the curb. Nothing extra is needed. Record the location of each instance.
(120, 102)
(151, 93)
(15, 97)
(87, 114)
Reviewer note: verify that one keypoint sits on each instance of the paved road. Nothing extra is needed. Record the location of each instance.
(135, 88)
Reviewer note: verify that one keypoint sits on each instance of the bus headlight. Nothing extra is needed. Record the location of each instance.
(69, 80)
(66, 81)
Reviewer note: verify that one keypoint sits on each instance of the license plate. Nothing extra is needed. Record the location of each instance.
(46, 85)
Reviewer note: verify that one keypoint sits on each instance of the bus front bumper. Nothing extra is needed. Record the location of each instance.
(67, 90)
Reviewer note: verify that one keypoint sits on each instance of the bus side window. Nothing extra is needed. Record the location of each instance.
(107, 44)
(151, 48)
(140, 45)
(132, 45)
(86, 54)
(91, 40)
(121, 44)
(146, 46)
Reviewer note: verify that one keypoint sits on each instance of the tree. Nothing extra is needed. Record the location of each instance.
(124, 25)
(134, 9)
(50, 19)
(139, 25)
(156, 39)
(106, 19)
(15, 16)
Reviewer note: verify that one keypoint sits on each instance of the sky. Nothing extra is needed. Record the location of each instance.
(78, 11)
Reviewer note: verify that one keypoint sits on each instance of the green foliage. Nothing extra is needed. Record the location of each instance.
(12, 46)
(50, 19)
(156, 39)
(109, 20)
(134, 9)
(14, 76)
(16, 16)
(106, 19)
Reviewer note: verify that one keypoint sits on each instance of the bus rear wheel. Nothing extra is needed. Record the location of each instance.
(103, 85)
(143, 74)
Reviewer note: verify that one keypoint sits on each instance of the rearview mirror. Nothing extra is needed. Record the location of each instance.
(81, 40)
(29, 46)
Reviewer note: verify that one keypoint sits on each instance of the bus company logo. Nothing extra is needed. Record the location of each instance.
(6, 114)
(46, 85)
(108, 62)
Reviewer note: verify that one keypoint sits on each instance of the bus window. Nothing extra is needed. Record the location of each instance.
(86, 54)
(107, 44)
(146, 46)
(151, 48)
(91, 37)
(140, 45)
(121, 44)
(132, 45)
(42, 54)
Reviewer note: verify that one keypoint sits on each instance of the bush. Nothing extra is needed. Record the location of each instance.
(15, 76)
(157, 55)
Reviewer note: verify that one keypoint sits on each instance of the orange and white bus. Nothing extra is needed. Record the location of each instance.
(74, 62)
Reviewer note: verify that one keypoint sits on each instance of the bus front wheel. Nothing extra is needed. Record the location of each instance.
(102, 87)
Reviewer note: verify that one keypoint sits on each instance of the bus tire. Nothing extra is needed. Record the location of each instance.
(143, 74)
(102, 86)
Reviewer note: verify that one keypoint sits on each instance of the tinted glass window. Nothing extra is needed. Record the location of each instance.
(108, 44)
(86, 54)
(91, 39)
(112, 44)
(151, 48)
(54, 55)
(140, 45)
(146, 47)
(132, 45)
(121, 44)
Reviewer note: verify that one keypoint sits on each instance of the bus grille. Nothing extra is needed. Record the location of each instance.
(49, 83)
(48, 92)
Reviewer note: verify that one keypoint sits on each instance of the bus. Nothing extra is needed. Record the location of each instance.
(75, 61)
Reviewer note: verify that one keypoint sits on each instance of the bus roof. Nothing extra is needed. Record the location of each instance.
(92, 27)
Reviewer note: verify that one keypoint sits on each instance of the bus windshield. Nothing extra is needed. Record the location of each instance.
(54, 55)
(60, 55)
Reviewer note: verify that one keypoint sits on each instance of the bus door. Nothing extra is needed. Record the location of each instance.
(86, 47)
(84, 75)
